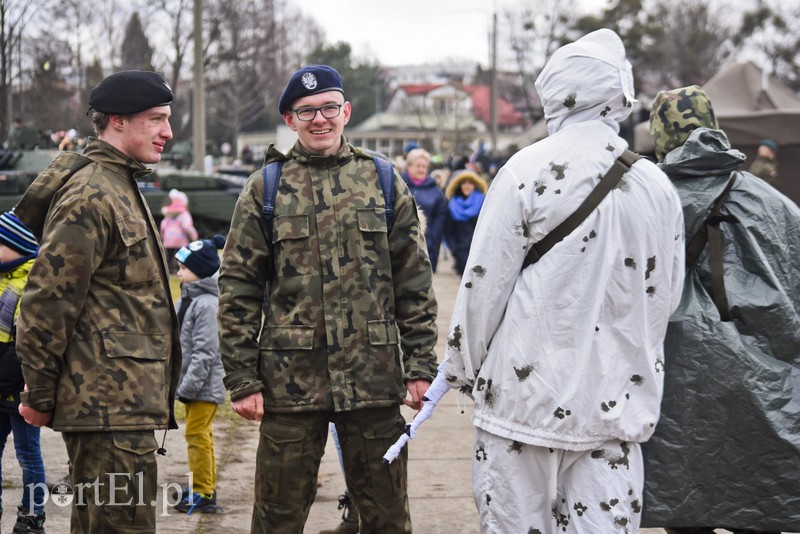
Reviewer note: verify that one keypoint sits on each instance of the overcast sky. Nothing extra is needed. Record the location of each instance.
(409, 32)
(413, 31)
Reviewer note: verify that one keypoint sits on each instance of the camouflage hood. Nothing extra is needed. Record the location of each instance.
(590, 79)
(675, 114)
(35, 203)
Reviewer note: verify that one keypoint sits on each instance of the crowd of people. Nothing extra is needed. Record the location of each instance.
(627, 329)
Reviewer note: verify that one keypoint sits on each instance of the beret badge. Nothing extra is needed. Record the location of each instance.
(309, 80)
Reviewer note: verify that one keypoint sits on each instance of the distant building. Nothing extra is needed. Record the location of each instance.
(445, 118)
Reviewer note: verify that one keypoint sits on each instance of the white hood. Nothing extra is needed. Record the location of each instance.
(589, 79)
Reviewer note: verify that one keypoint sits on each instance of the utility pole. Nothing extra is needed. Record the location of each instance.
(198, 95)
(493, 92)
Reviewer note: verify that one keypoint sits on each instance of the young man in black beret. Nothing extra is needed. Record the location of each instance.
(347, 325)
(97, 335)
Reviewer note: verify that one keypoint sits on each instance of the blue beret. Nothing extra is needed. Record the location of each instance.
(309, 80)
(772, 145)
(129, 92)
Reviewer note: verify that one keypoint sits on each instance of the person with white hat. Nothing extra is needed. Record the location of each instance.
(562, 350)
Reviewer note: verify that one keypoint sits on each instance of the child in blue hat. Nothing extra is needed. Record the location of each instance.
(200, 386)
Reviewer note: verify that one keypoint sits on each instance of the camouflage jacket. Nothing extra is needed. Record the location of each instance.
(97, 335)
(767, 170)
(350, 313)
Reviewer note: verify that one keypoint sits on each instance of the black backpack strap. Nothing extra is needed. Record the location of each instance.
(603, 188)
(272, 174)
(710, 233)
(386, 180)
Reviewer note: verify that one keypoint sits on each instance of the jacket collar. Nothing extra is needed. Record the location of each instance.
(110, 156)
(306, 159)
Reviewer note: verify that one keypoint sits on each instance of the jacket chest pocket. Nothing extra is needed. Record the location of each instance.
(374, 238)
(294, 254)
(135, 262)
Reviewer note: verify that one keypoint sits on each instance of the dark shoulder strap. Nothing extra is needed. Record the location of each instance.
(32, 212)
(696, 245)
(710, 233)
(272, 174)
(607, 183)
(386, 180)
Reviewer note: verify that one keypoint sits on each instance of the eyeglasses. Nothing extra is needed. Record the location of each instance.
(329, 111)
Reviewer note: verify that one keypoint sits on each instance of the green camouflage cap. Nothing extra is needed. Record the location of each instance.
(675, 114)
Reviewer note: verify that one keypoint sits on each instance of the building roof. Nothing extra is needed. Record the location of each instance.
(481, 106)
(480, 96)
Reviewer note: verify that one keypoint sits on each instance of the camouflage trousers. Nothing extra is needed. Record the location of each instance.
(114, 480)
(289, 453)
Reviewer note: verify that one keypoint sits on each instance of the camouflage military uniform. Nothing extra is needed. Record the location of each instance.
(97, 335)
(767, 170)
(350, 316)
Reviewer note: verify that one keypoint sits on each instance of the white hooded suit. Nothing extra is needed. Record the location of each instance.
(565, 358)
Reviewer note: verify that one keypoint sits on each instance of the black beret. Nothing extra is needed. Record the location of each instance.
(129, 92)
(309, 80)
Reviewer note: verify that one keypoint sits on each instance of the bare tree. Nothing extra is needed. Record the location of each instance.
(669, 42)
(258, 44)
(109, 31)
(49, 97)
(14, 16)
(75, 18)
(774, 31)
(687, 43)
(176, 17)
(533, 35)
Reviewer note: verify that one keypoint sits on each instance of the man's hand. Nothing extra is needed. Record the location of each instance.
(35, 417)
(416, 388)
(250, 407)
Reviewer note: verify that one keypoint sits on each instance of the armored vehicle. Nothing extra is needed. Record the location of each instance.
(211, 196)
(18, 168)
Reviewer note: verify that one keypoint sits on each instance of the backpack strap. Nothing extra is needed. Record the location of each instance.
(603, 188)
(272, 173)
(710, 233)
(33, 213)
(386, 180)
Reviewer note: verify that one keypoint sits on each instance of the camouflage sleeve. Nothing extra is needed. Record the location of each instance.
(71, 249)
(242, 282)
(415, 303)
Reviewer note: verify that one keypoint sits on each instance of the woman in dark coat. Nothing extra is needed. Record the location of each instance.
(465, 195)
(429, 197)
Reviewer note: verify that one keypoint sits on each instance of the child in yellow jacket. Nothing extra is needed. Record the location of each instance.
(18, 249)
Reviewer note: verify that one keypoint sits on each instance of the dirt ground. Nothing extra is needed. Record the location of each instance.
(439, 470)
(440, 491)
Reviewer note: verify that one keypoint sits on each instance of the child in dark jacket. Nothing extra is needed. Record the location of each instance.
(465, 195)
(200, 386)
(18, 250)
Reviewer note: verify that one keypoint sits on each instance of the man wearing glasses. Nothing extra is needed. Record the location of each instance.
(330, 316)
